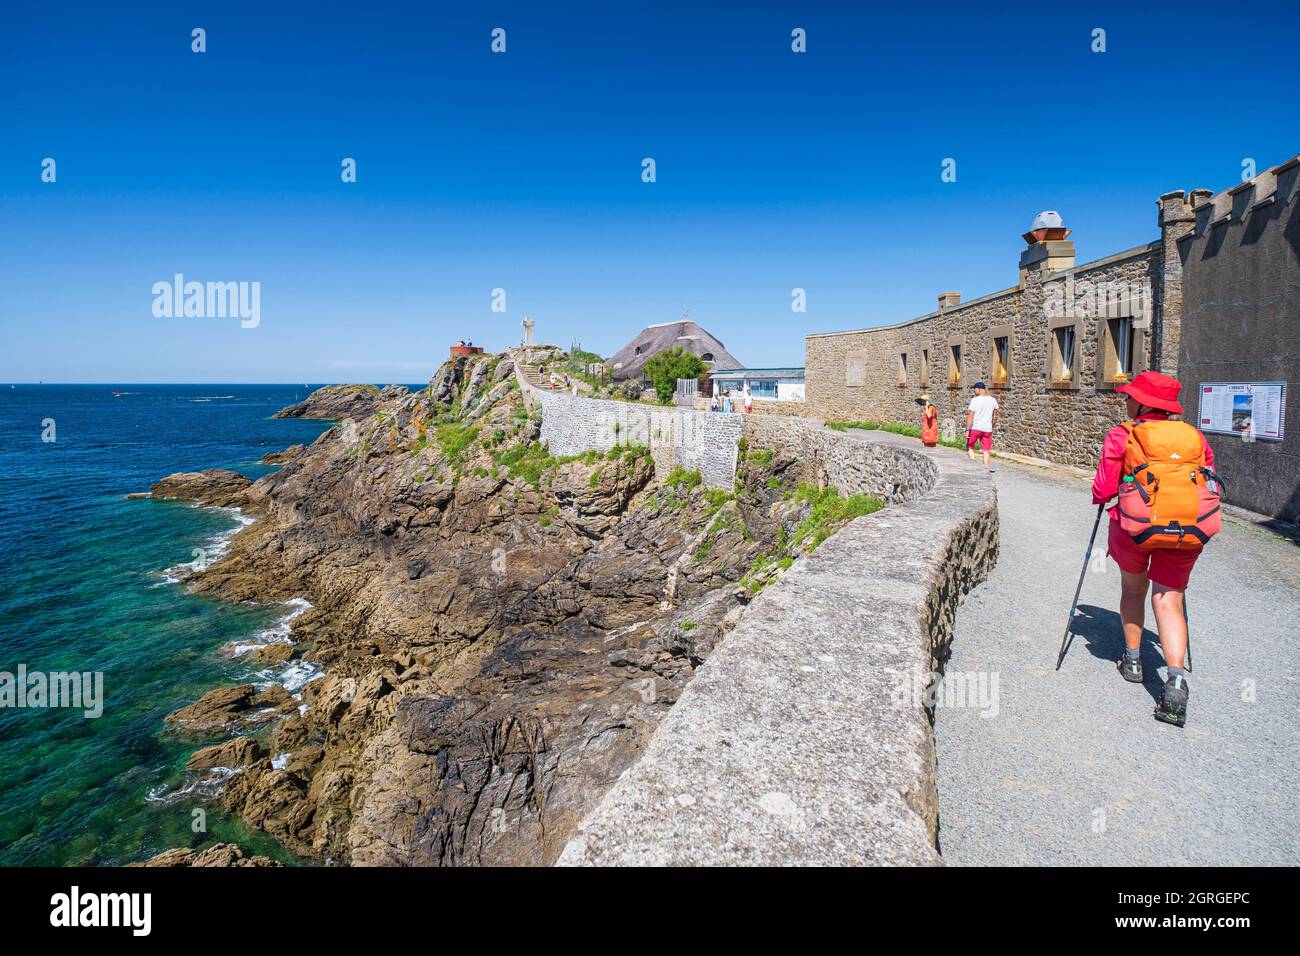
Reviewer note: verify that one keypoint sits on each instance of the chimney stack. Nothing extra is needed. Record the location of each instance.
(1050, 249)
(948, 299)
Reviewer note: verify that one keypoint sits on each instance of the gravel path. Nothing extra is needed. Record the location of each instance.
(1070, 768)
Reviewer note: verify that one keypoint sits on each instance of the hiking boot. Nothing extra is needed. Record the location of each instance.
(1172, 708)
(1130, 668)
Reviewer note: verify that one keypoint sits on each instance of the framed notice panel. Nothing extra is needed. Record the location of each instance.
(1257, 409)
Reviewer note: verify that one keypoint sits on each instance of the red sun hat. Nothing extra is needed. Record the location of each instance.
(1155, 391)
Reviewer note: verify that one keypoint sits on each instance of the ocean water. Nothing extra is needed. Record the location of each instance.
(84, 587)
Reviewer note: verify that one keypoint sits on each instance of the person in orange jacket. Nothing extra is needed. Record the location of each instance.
(929, 422)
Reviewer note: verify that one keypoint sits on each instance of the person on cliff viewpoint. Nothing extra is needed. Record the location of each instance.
(929, 421)
(1168, 508)
(981, 418)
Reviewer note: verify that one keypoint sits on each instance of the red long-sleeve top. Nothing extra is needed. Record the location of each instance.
(1105, 484)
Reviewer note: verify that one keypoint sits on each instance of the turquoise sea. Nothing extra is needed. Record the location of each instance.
(84, 587)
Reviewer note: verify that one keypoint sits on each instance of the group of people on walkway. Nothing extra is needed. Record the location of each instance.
(981, 419)
(725, 403)
(1161, 470)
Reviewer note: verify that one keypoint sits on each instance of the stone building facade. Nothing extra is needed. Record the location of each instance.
(1240, 302)
(1052, 350)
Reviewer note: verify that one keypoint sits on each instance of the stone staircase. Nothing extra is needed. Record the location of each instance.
(532, 374)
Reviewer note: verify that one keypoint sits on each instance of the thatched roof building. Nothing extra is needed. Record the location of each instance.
(627, 362)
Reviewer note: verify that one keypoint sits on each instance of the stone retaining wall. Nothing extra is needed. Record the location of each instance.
(791, 408)
(888, 470)
(803, 739)
(572, 424)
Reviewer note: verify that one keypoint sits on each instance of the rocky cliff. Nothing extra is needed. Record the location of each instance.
(499, 630)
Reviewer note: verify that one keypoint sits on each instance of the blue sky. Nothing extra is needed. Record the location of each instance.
(522, 170)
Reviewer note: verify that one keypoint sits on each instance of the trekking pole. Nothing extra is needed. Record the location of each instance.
(1187, 657)
(1087, 556)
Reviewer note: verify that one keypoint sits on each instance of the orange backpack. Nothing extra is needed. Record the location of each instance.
(1168, 498)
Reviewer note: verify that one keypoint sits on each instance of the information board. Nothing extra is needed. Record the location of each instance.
(1246, 409)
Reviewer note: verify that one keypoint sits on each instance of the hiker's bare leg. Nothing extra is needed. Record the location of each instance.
(986, 461)
(1171, 622)
(1133, 606)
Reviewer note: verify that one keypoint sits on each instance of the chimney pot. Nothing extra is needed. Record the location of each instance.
(1047, 226)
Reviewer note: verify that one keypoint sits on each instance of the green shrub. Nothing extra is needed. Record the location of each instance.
(683, 479)
(665, 368)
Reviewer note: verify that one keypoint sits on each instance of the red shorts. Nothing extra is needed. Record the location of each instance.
(985, 439)
(1169, 568)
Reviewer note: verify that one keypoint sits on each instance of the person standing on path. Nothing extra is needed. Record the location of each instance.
(981, 418)
(749, 400)
(929, 421)
(1150, 397)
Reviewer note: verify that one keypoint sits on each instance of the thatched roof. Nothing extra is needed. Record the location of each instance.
(628, 361)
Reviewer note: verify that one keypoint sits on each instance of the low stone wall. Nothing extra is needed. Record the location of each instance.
(894, 471)
(793, 409)
(804, 740)
(707, 441)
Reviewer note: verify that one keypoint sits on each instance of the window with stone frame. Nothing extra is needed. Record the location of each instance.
(925, 368)
(1063, 352)
(1123, 349)
(955, 362)
(902, 369)
(999, 356)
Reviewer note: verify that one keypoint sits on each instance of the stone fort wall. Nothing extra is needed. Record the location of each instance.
(707, 441)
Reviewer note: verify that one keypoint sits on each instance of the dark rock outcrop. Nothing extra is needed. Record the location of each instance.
(280, 457)
(336, 402)
(215, 486)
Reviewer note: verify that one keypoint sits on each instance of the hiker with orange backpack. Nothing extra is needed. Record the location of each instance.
(1163, 474)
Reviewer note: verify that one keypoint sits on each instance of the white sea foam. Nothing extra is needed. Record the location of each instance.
(277, 633)
(280, 761)
(219, 543)
(295, 676)
(213, 549)
(206, 786)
